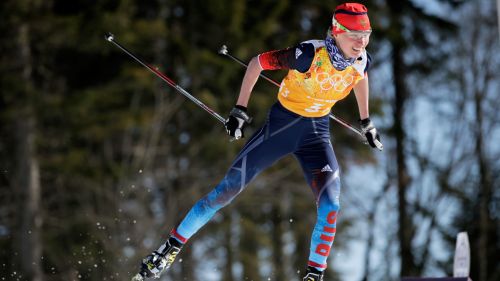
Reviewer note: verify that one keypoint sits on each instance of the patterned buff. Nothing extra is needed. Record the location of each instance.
(336, 57)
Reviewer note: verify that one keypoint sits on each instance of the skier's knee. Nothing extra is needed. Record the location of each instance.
(226, 193)
(328, 204)
(331, 190)
(223, 194)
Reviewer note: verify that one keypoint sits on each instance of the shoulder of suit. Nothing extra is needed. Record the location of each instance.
(316, 43)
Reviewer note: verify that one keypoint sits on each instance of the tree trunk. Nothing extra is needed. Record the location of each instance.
(249, 250)
(485, 192)
(228, 268)
(277, 235)
(27, 180)
(498, 12)
(399, 72)
(28, 184)
(187, 265)
(403, 180)
(301, 228)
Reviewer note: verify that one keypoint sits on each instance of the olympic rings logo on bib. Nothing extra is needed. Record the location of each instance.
(336, 81)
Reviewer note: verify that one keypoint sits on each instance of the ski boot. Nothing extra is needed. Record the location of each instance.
(160, 260)
(312, 274)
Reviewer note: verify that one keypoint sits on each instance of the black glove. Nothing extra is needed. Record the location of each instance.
(236, 122)
(370, 133)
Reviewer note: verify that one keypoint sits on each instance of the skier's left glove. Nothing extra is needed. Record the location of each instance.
(236, 122)
(371, 133)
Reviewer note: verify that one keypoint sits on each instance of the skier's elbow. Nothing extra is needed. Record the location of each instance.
(255, 64)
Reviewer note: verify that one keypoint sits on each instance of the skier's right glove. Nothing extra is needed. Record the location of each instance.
(371, 133)
(236, 122)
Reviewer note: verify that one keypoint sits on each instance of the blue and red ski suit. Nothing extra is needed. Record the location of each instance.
(295, 125)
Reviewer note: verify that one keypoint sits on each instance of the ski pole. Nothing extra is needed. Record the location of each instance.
(223, 51)
(111, 38)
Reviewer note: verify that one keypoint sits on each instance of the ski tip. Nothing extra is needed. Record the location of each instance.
(379, 145)
(138, 277)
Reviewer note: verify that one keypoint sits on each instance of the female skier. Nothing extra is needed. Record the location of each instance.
(321, 72)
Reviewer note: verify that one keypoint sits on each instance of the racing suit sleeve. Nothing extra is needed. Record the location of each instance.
(298, 57)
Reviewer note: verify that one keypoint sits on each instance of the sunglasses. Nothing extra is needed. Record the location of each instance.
(352, 34)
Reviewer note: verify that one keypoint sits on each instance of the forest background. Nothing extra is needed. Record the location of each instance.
(99, 159)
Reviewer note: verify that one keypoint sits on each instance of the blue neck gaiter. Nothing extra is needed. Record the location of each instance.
(336, 57)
